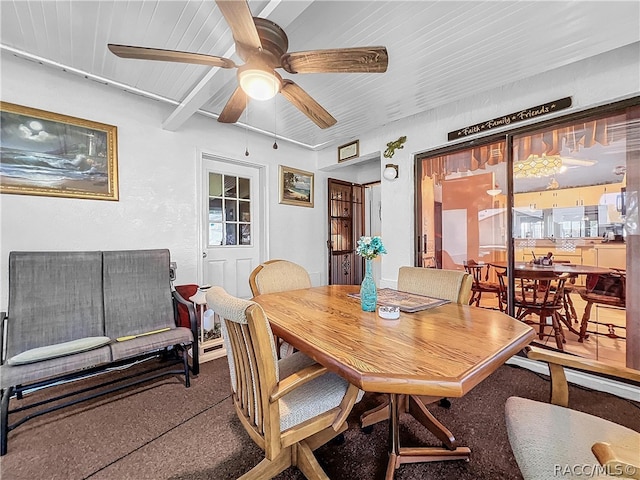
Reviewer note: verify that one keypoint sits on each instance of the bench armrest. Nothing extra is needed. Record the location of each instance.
(557, 361)
(296, 380)
(193, 319)
(3, 335)
(193, 322)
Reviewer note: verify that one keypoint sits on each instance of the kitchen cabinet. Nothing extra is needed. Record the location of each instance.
(611, 255)
(565, 197)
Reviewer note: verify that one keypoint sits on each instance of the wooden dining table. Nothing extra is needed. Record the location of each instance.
(443, 351)
(570, 268)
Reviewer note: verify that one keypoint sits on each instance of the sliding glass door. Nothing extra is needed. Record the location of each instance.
(567, 187)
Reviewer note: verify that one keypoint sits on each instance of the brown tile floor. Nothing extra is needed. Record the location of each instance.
(598, 346)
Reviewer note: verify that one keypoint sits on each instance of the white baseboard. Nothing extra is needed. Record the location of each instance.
(583, 379)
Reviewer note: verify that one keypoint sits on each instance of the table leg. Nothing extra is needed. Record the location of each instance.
(399, 455)
(376, 414)
(394, 436)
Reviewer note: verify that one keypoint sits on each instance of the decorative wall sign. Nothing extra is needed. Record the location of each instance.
(45, 153)
(512, 118)
(296, 187)
(349, 151)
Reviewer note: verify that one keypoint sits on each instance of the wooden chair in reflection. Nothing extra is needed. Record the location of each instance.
(541, 293)
(609, 289)
(289, 407)
(548, 436)
(481, 284)
(275, 276)
(452, 285)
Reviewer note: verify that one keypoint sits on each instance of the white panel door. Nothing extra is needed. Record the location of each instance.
(232, 225)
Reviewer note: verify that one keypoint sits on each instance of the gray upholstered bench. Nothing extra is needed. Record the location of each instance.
(75, 313)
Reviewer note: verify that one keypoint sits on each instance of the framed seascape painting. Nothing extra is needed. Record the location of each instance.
(45, 153)
(296, 187)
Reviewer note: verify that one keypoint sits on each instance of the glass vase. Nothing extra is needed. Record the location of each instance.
(368, 292)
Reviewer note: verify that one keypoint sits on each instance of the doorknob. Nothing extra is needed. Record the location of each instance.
(204, 254)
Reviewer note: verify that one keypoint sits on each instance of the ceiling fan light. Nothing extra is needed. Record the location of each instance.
(259, 84)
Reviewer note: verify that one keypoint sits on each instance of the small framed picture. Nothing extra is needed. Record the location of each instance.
(349, 151)
(296, 187)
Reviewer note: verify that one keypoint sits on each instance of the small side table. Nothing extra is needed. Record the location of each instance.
(210, 342)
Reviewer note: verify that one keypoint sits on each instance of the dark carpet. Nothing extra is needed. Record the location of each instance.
(162, 430)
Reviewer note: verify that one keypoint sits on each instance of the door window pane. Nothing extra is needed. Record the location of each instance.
(229, 217)
(230, 190)
(231, 233)
(245, 234)
(215, 233)
(215, 210)
(245, 211)
(215, 185)
(244, 190)
(230, 210)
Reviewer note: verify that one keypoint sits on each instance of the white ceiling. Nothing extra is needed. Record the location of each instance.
(439, 51)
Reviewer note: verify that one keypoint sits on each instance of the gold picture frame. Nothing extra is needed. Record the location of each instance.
(55, 155)
(296, 187)
(348, 151)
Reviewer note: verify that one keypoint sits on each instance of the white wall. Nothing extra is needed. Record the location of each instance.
(158, 207)
(598, 80)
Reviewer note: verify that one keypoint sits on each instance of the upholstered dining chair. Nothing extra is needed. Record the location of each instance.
(550, 440)
(275, 276)
(452, 285)
(289, 407)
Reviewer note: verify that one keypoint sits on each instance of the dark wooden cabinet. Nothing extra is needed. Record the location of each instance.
(346, 226)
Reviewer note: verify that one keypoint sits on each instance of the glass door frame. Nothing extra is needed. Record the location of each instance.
(618, 107)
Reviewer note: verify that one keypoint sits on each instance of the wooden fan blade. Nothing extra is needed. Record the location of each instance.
(127, 51)
(234, 107)
(240, 20)
(307, 105)
(338, 60)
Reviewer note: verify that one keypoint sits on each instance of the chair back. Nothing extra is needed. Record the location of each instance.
(41, 311)
(452, 285)
(539, 288)
(612, 285)
(478, 271)
(252, 362)
(278, 276)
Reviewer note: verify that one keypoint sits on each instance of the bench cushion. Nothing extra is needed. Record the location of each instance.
(58, 350)
(11, 375)
(149, 343)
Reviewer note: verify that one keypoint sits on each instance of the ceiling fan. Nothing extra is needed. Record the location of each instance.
(263, 45)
